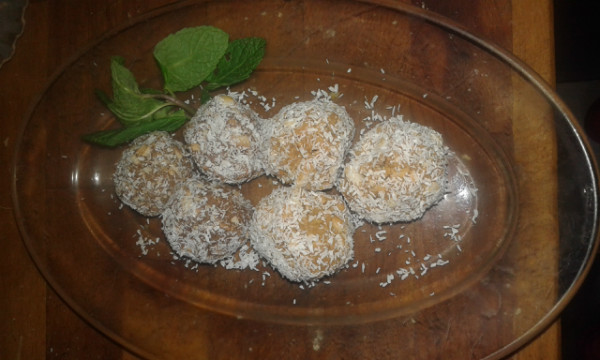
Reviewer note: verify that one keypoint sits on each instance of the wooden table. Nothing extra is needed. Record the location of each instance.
(34, 322)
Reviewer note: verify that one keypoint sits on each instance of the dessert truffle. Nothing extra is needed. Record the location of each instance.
(225, 140)
(148, 170)
(395, 172)
(305, 235)
(206, 221)
(307, 143)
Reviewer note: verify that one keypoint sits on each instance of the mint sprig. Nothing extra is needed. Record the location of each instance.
(192, 57)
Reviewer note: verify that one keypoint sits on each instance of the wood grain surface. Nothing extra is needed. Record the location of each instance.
(36, 324)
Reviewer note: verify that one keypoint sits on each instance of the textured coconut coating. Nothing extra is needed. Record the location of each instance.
(395, 172)
(308, 142)
(225, 140)
(149, 170)
(206, 221)
(305, 235)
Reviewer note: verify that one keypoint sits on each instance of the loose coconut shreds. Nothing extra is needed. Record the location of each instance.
(205, 221)
(145, 242)
(225, 140)
(395, 172)
(245, 99)
(307, 143)
(149, 170)
(305, 235)
(245, 258)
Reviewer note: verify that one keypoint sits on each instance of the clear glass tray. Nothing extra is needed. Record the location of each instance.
(489, 267)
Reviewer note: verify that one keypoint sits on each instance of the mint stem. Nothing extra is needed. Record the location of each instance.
(191, 110)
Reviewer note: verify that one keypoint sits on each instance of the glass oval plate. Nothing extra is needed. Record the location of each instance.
(481, 273)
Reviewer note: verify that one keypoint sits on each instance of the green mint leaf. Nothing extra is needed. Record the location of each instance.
(129, 104)
(188, 56)
(165, 121)
(240, 60)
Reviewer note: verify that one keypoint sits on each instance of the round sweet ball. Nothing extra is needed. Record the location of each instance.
(305, 235)
(225, 140)
(395, 172)
(206, 221)
(149, 170)
(307, 143)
